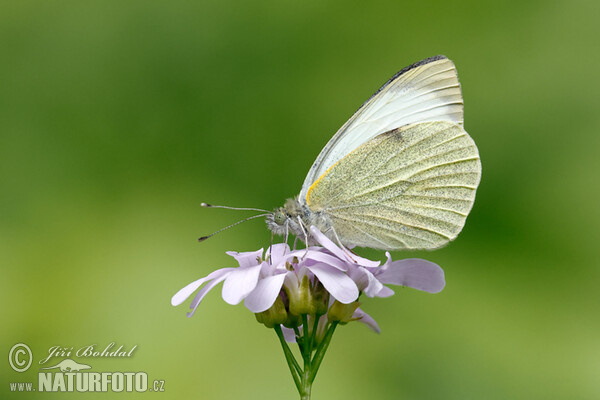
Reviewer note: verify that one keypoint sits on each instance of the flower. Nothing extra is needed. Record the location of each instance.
(304, 295)
(259, 281)
(317, 281)
(411, 272)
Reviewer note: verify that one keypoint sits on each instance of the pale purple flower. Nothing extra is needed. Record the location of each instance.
(344, 275)
(259, 281)
(411, 272)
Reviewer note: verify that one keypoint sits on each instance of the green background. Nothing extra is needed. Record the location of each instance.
(117, 119)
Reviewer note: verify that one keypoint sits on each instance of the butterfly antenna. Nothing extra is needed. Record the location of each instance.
(233, 208)
(203, 238)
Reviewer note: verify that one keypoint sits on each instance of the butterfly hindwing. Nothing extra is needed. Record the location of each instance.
(409, 188)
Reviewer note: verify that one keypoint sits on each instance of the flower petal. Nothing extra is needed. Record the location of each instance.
(360, 278)
(184, 293)
(248, 258)
(343, 254)
(288, 334)
(415, 273)
(327, 243)
(366, 319)
(277, 251)
(326, 258)
(240, 282)
(362, 261)
(202, 292)
(366, 281)
(337, 283)
(301, 255)
(265, 293)
(385, 292)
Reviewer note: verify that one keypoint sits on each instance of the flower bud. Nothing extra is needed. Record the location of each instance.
(321, 298)
(342, 313)
(292, 321)
(301, 298)
(276, 315)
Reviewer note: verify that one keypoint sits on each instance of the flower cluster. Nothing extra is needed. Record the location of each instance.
(321, 283)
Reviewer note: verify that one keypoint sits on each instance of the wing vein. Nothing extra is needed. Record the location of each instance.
(397, 232)
(387, 246)
(375, 217)
(446, 163)
(402, 151)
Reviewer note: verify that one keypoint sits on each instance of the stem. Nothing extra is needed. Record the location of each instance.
(304, 377)
(289, 357)
(306, 337)
(316, 363)
(306, 352)
(313, 337)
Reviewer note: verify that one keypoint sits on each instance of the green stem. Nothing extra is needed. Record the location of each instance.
(306, 353)
(304, 377)
(306, 337)
(318, 358)
(313, 337)
(289, 357)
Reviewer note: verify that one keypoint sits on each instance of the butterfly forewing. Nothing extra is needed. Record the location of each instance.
(409, 188)
(426, 91)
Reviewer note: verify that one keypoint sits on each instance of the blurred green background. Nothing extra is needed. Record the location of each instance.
(117, 119)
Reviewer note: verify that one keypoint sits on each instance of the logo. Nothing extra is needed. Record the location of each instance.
(69, 375)
(68, 365)
(17, 359)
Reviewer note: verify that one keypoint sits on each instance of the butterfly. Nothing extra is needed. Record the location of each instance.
(400, 174)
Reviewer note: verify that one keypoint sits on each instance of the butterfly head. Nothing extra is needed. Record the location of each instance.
(284, 220)
(276, 221)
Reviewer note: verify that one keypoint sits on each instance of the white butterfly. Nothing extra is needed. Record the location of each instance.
(400, 174)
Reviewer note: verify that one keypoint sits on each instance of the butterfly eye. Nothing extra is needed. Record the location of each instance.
(279, 217)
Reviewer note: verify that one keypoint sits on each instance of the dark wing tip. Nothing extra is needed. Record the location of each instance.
(404, 70)
(419, 63)
(413, 66)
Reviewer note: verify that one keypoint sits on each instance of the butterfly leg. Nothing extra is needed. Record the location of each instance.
(301, 224)
(287, 231)
(271, 248)
(339, 242)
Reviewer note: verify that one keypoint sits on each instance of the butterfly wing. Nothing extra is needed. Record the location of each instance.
(425, 91)
(409, 188)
